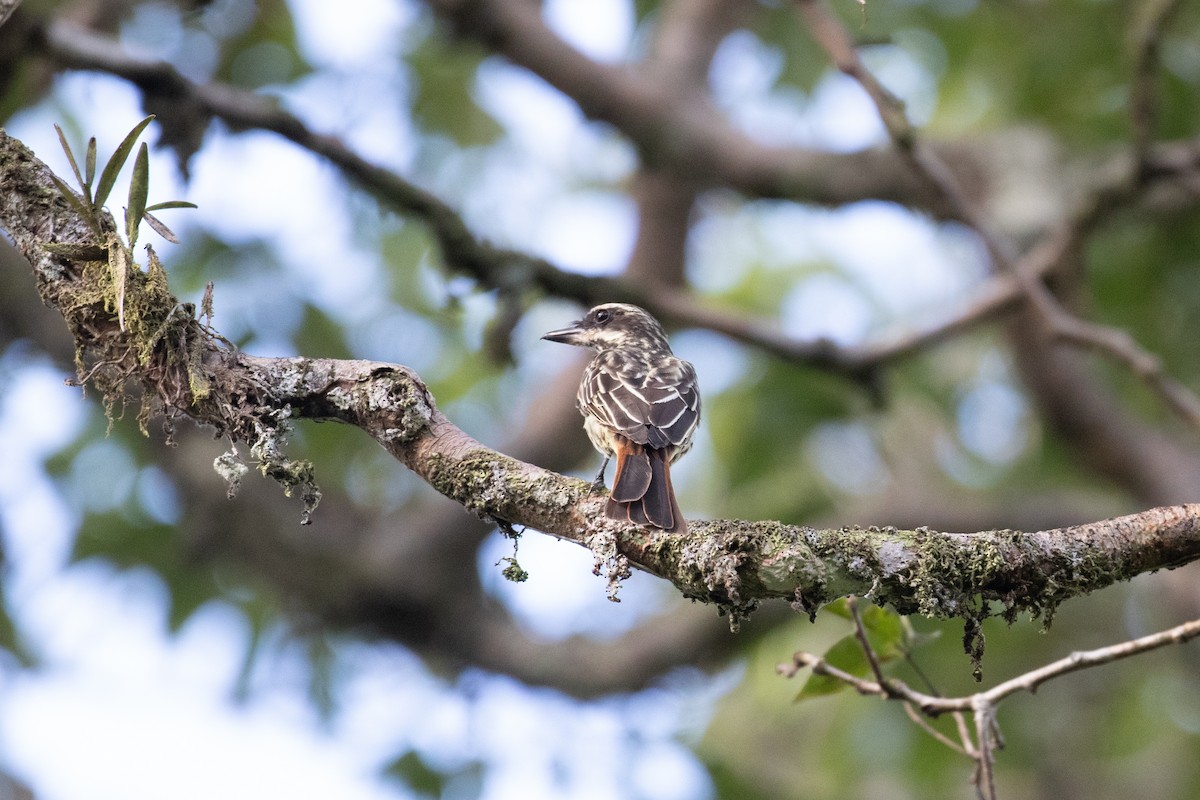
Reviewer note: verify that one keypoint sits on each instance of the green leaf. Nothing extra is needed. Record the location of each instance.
(171, 204)
(847, 655)
(886, 631)
(889, 633)
(160, 228)
(74, 201)
(839, 608)
(417, 775)
(76, 251)
(444, 98)
(62, 139)
(109, 176)
(90, 167)
(139, 190)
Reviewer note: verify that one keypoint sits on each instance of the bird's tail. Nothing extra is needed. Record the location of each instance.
(642, 490)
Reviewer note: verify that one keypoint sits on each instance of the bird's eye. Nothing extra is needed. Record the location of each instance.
(603, 316)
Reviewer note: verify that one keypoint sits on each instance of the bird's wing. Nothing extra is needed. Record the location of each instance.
(658, 405)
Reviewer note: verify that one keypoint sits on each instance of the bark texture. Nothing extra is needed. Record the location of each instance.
(186, 370)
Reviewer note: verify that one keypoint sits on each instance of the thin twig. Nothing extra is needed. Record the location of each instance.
(985, 777)
(922, 723)
(494, 266)
(1143, 94)
(981, 705)
(1028, 682)
(832, 35)
(860, 633)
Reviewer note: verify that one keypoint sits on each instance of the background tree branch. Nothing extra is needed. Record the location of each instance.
(733, 564)
(711, 161)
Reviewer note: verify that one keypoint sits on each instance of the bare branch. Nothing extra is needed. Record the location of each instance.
(1143, 95)
(1116, 344)
(924, 725)
(462, 251)
(1028, 682)
(860, 632)
(981, 705)
(682, 132)
(505, 268)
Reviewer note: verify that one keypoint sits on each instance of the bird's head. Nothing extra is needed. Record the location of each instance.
(613, 325)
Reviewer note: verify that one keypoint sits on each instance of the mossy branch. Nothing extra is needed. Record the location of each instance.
(730, 563)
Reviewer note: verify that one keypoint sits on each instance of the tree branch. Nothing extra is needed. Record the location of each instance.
(728, 562)
(1115, 343)
(1143, 95)
(681, 132)
(463, 252)
(981, 705)
(187, 371)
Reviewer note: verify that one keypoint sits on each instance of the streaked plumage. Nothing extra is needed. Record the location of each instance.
(640, 404)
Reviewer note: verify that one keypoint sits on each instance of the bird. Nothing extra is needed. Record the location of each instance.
(640, 405)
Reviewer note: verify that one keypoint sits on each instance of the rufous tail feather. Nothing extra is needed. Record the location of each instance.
(642, 492)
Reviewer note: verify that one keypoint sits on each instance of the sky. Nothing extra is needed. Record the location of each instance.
(123, 710)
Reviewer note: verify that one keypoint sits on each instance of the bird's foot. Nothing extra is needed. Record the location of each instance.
(598, 482)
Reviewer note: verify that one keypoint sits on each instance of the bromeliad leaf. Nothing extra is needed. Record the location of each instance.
(158, 225)
(160, 228)
(171, 204)
(90, 206)
(109, 176)
(90, 167)
(62, 139)
(139, 190)
(75, 202)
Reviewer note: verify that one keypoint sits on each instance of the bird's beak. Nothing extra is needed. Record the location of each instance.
(571, 335)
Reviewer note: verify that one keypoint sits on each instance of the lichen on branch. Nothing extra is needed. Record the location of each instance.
(183, 368)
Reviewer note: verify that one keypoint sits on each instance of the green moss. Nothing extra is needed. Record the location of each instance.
(156, 338)
(481, 481)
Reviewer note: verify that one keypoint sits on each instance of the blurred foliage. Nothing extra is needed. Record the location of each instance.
(1061, 68)
(262, 50)
(1145, 262)
(1095, 733)
(444, 101)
